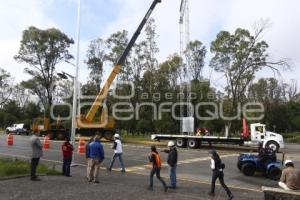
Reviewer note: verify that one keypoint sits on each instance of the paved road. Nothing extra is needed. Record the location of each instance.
(193, 164)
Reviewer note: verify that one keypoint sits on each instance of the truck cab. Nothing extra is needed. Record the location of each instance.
(259, 134)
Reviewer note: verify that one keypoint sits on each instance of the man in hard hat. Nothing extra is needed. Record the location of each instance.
(172, 161)
(290, 177)
(118, 151)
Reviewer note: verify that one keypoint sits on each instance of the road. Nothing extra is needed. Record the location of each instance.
(193, 166)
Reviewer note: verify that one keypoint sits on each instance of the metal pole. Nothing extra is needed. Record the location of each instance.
(75, 92)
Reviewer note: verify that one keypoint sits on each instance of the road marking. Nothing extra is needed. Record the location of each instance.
(139, 173)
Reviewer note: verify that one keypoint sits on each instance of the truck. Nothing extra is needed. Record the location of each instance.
(258, 134)
(18, 129)
(89, 124)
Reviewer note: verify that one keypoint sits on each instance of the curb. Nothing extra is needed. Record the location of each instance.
(18, 177)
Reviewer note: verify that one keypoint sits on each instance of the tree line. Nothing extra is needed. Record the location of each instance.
(238, 56)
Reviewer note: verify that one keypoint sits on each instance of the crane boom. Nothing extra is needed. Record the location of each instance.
(116, 69)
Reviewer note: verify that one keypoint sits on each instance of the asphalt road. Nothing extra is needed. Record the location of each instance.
(193, 166)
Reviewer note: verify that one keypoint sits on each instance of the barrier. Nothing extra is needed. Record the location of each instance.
(81, 146)
(10, 139)
(46, 144)
(280, 194)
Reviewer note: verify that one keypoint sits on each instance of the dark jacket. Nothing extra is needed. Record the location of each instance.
(67, 149)
(96, 150)
(172, 156)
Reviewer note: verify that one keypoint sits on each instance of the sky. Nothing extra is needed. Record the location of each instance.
(100, 18)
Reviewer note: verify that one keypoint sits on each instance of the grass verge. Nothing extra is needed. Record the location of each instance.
(15, 167)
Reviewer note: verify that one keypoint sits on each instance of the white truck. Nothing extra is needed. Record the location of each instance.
(18, 129)
(258, 134)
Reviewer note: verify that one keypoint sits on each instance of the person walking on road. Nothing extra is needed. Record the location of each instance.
(87, 156)
(118, 151)
(290, 177)
(96, 158)
(172, 162)
(37, 153)
(154, 158)
(217, 168)
(67, 151)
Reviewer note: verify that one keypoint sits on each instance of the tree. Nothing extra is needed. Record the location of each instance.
(5, 86)
(195, 54)
(95, 58)
(43, 50)
(239, 56)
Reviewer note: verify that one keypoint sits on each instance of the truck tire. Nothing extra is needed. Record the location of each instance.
(248, 169)
(192, 143)
(181, 143)
(273, 145)
(274, 173)
(108, 135)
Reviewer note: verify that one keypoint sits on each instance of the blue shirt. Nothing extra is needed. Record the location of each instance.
(96, 150)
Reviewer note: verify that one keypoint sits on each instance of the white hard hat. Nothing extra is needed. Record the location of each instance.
(171, 144)
(116, 135)
(287, 161)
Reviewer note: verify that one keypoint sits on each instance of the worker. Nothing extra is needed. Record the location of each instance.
(290, 177)
(217, 167)
(172, 162)
(37, 153)
(67, 151)
(118, 151)
(154, 158)
(96, 158)
(265, 154)
(87, 155)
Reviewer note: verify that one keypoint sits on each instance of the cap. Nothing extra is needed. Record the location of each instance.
(171, 144)
(287, 161)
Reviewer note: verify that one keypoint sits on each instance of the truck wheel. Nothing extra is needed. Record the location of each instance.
(248, 169)
(108, 135)
(192, 143)
(181, 143)
(274, 173)
(273, 145)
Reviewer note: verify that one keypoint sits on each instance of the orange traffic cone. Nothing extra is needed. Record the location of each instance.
(81, 146)
(46, 143)
(10, 139)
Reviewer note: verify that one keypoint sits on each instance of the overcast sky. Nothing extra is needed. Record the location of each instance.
(100, 18)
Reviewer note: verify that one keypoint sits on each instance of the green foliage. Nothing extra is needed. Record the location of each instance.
(9, 167)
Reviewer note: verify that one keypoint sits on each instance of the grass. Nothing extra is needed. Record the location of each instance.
(292, 137)
(15, 167)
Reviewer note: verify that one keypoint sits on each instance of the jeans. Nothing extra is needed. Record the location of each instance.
(117, 155)
(219, 175)
(156, 170)
(172, 173)
(33, 166)
(66, 166)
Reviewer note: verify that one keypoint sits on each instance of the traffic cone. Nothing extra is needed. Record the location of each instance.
(10, 139)
(81, 146)
(46, 143)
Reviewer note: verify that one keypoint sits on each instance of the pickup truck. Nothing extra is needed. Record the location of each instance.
(18, 129)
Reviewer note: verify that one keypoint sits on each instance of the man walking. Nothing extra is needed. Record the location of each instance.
(67, 150)
(96, 158)
(290, 177)
(217, 167)
(154, 158)
(172, 162)
(37, 153)
(118, 151)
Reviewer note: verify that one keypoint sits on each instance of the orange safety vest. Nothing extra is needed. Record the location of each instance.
(157, 159)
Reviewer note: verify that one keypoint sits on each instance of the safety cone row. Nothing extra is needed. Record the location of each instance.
(10, 139)
(81, 146)
(46, 144)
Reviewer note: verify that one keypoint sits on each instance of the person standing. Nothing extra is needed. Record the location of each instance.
(118, 151)
(87, 156)
(154, 158)
(172, 162)
(67, 150)
(290, 177)
(37, 153)
(96, 158)
(217, 168)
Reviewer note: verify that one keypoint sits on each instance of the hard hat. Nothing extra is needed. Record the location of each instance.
(116, 135)
(287, 161)
(171, 144)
